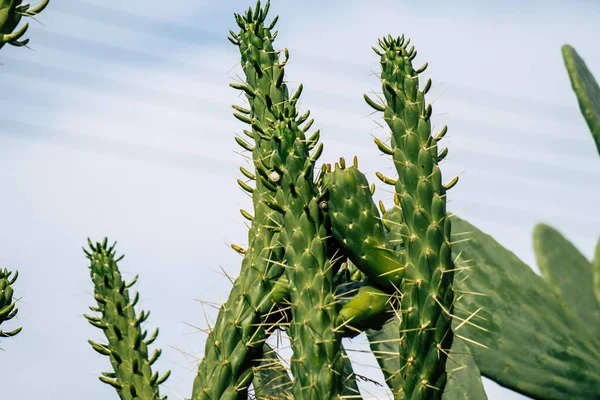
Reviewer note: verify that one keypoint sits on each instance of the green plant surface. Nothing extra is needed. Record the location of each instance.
(596, 268)
(385, 346)
(427, 296)
(569, 273)
(521, 334)
(369, 307)
(288, 171)
(8, 309)
(272, 381)
(586, 89)
(271, 378)
(464, 378)
(357, 226)
(234, 346)
(11, 12)
(316, 360)
(127, 346)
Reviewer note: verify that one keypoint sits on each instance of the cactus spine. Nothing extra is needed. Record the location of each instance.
(127, 345)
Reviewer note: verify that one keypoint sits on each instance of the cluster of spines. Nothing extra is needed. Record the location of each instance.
(127, 345)
(8, 309)
(427, 292)
(11, 12)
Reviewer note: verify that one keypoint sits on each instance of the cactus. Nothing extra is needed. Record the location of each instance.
(356, 225)
(272, 382)
(464, 380)
(427, 296)
(323, 263)
(127, 345)
(315, 343)
(8, 309)
(234, 346)
(271, 379)
(532, 342)
(11, 12)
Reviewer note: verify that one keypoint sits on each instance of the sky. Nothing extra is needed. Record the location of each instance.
(117, 122)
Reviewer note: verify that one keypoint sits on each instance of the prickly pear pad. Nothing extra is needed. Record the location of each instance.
(569, 273)
(586, 89)
(532, 343)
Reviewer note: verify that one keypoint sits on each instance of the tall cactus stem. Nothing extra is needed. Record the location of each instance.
(427, 294)
(127, 345)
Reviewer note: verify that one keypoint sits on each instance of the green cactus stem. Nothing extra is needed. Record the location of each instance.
(596, 270)
(530, 342)
(288, 171)
(586, 89)
(234, 347)
(357, 226)
(8, 309)
(464, 380)
(368, 308)
(11, 12)
(271, 379)
(361, 306)
(385, 342)
(569, 273)
(427, 293)
(315, 343)
(127, 345)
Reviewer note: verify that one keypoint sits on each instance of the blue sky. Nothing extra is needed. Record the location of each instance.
(119, 124)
